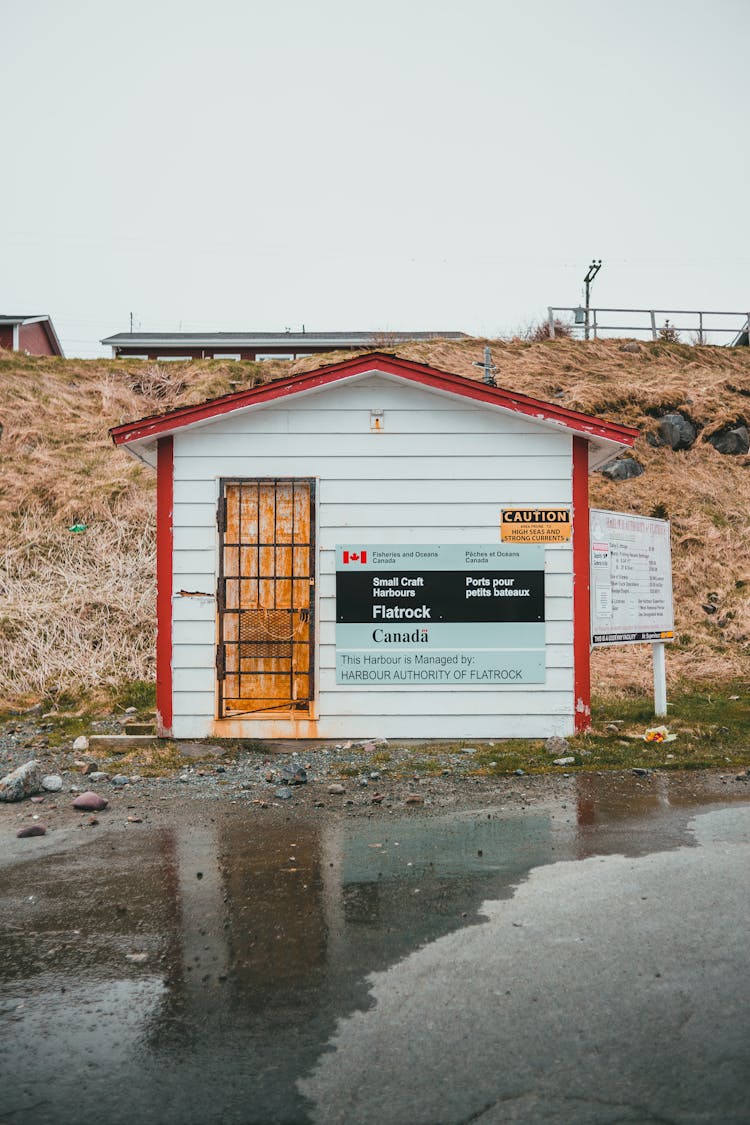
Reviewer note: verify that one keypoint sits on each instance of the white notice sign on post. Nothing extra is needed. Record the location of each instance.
(631, 579)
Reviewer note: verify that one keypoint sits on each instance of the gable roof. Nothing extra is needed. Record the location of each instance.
(606, 439)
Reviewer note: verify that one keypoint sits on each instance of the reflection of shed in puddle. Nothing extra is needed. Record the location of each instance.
(411, 880)
(274, 884)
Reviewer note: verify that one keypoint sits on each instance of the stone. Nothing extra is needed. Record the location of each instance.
(640, 771)
(140, 728)
(31, 830)
(557, 745)
(520, 773)
(631, 346)
(21, 782)
(732, 440)
(202, 749)
(98, 775)
(284, 793)
(414, 799)
(90, 768)
(377, 798)
(90, 802)
(623, 469)
(81, 743)
(122, 743)
(53, 783)
(677, 431)
(336, 789)
(120, 779)
(296, 775)
(564, 761)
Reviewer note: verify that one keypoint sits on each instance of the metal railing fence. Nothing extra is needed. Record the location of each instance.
(589, 322)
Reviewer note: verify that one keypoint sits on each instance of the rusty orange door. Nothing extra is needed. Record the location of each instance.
(266, 596)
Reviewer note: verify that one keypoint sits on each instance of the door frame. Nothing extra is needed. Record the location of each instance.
(280, 713)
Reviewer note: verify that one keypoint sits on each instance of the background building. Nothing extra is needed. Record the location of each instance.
(256, 345)
(34, 335)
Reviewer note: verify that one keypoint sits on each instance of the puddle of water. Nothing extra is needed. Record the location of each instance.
(193, 972)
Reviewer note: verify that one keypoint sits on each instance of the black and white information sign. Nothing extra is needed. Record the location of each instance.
(631, 579)
(433, 614)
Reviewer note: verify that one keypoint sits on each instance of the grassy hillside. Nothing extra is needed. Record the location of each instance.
(77, 608)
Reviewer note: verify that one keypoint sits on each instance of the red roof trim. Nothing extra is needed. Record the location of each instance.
(158, 424)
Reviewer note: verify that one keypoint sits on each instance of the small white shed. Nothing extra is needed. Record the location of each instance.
(374, 548)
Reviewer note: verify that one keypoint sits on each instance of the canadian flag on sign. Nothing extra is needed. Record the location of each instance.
(355, 557)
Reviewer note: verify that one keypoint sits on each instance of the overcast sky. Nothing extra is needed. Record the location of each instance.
(406, 164)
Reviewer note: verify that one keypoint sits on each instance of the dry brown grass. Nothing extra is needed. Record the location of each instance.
(76, 612)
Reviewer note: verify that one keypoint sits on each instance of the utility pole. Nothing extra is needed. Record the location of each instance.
(591, 273)
(131, 324)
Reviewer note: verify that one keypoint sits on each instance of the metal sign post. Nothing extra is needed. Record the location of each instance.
(660, 678)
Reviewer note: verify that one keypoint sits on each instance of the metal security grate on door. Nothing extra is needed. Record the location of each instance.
(266, 596)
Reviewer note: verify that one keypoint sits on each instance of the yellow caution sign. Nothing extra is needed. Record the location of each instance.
(535, 525)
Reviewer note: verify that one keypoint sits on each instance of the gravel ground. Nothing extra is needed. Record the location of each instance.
(358, 778)
(368, 773)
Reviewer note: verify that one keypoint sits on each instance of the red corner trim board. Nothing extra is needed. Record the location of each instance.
(581, 587)
(164, 546)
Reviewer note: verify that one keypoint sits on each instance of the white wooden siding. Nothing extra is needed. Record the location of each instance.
(439, 473)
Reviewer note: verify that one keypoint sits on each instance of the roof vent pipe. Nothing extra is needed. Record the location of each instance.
(488, 367)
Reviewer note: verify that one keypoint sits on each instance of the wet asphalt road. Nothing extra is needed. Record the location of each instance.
(579, 959)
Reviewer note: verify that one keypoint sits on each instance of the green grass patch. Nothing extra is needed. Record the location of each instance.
(712, 729)
(140, 694)
(427, 767)
(160, 760)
